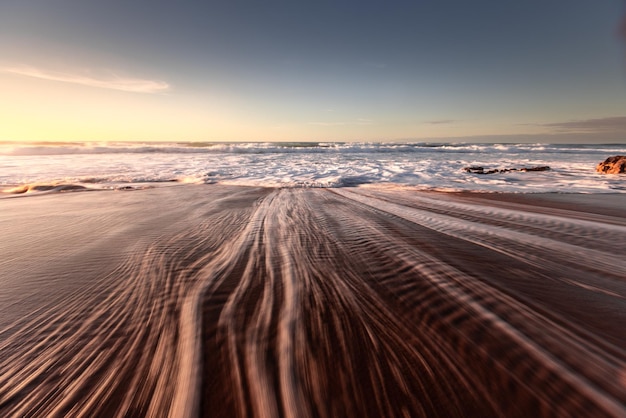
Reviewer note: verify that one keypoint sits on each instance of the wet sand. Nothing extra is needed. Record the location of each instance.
(235, 301)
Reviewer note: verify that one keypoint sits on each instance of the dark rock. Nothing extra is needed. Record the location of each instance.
(481, 170)
(474, 169)
(612, 165)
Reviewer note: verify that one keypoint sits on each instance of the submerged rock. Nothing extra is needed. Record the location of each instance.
(481, 170)
(612, 165)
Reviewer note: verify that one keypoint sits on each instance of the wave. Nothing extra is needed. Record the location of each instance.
(68, 148)
(309, 164)
(30, 188)
(94, 184)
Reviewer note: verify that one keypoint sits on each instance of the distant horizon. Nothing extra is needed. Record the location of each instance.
(611, 129)
(209, 142)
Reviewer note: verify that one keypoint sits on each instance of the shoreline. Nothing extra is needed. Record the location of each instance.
(320, 302)
(39, 188)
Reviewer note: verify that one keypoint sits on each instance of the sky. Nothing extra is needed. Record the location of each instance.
(420, 70)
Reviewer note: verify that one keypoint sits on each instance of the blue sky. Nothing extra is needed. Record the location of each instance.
(532, 71)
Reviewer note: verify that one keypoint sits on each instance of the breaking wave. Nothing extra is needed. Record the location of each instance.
(73, 148)
(316, 164)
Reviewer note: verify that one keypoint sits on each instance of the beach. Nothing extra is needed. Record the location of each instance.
(222, 300)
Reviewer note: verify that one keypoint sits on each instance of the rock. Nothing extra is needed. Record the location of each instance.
(541, 168)
(612, 165)
(481, 170)
(474, 169)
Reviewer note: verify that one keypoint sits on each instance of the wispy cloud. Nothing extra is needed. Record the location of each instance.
(359, 121)
(440, 122)
(111, 81)
(611, 124)
(328, 123)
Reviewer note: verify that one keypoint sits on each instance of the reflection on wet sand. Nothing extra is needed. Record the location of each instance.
(233, 301)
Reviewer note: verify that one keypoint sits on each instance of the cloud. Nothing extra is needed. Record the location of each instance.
(612, 124)
(359, 121)
(549, 138)
(440, 122)
(112, 81)
(327, 123)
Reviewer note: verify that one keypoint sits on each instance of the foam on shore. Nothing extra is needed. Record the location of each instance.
(316, 165)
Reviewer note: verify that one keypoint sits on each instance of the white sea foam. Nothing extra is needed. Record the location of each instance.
(425, 166)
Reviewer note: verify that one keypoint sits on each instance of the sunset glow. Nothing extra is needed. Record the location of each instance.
(368, 73)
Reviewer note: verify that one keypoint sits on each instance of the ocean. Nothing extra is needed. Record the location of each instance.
(39, 167)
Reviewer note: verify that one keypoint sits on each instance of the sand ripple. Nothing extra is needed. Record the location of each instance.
(232, 301)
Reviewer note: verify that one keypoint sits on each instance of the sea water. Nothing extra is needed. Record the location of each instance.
(419, 165)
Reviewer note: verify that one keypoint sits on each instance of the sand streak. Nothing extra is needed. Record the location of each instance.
(233, 301)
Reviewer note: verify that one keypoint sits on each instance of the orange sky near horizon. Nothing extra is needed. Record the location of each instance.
(418, 72)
